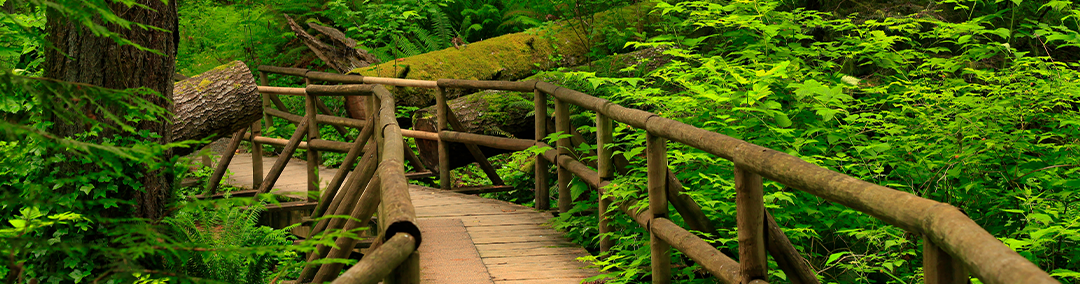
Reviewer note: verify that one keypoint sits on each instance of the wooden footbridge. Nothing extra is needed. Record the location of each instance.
(445, 236)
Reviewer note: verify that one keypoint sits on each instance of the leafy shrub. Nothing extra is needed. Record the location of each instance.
(227, 244)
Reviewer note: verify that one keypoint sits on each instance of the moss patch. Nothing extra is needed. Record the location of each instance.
(508, 57)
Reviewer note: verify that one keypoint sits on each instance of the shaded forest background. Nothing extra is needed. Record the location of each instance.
(973, 103)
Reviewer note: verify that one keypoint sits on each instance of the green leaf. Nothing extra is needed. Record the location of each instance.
(782, 119)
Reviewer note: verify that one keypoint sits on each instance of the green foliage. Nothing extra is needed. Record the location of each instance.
(227, 244)
(212, 34)
(963, 112)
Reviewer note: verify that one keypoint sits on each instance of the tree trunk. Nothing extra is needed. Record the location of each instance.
(216, 103)
(341, 54)
(508, 57)
(496, 113)
(80, 56)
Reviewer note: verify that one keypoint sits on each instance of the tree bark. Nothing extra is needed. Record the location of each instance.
(508, 57)
(496, 113)
(341, 54)
(80, 56)
(215, 104)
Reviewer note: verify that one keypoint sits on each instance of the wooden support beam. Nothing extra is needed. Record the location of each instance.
(787, 258)
(750, 215)
(381, 262)
(346, 166)
(322, 107)
(279, 165)
(441, 110)
(562, 125)
(313, 159)
(606, 171)
(543, 197)
(941, 268)
(256, 155)
(226, 158)
(482, 160)
(656, 159)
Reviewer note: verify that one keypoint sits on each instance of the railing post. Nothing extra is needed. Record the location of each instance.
(256, 155)
(444, 147)
(562, 125)
(312, 154)
(543, 197)
(941, 268)
(750, 215)
(656, 158)
(606, 171)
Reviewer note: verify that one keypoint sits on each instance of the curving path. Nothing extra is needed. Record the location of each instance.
(467, 239)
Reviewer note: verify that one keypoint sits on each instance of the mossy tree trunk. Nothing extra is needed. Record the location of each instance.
(508, 57)
(497, 113)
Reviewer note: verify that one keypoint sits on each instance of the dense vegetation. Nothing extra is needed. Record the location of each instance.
(974, 103)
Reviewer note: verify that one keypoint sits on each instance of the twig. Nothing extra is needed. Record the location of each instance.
(1045, 168)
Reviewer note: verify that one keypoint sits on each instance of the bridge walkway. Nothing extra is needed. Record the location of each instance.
(468, 239)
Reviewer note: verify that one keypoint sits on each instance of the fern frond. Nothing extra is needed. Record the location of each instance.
(429, 41)
(443, 29)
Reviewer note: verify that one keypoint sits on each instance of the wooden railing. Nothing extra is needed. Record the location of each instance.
(954, 245)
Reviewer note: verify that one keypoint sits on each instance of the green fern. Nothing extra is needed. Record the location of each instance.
(232, 246)
(405, 47)
(443, 29)
(429, 41)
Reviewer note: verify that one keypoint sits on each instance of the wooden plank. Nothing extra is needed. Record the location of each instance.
(482, 189)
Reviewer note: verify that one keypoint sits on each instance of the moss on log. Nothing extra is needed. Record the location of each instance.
(497, 113)
(507, 57)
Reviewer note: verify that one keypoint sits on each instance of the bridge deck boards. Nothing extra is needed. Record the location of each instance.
(511, 242)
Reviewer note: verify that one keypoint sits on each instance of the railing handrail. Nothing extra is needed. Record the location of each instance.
(942, 224)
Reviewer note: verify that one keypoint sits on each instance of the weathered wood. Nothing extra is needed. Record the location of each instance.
(787, 258)
(656, 160)
(322, 108)
(279, 165)
(562, 147)
(256, 155)
(360, 216)
(512, 144)
(483, 189)
(485, 113)
(605, 170)
(704, 254)
(543, 197)
(516, 86)
(441, 111)
(504, 58)
(399, 215)
(223, 165)
(317, 144)
(750, 215)
(332, 120)
(339, 57)
(379, 263)
(941, 268)
(477, 155)
(313, 158)
(954, 232)
(214, 104)
(343, 170)
(342, 204)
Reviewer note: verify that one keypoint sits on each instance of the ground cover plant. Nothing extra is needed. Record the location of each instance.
(973, 103)
(954, 102)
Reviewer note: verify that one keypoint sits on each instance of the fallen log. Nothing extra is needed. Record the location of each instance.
(497, 113)
(508, 57)
(341, 54)
(214, 104)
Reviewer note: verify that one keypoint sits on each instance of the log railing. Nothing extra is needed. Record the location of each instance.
(954, 245)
